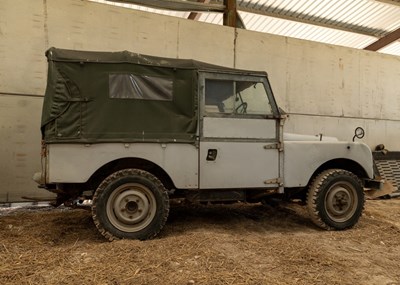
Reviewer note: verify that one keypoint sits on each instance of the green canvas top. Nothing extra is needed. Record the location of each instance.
(94, 97)
(65, 55)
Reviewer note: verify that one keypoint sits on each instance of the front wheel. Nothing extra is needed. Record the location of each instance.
(335, 199)
(130, 204)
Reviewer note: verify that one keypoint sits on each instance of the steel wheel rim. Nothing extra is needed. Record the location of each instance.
(131, 207)
(341, 201)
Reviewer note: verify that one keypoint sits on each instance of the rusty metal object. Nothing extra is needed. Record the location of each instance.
(387, 189)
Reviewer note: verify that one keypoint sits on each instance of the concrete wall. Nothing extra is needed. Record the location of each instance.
(329, 89)
(326, 89)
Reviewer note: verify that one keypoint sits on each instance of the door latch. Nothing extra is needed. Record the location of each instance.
(212, 154)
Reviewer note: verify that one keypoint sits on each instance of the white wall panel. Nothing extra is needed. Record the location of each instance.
(265, 53)
(320, 79)
(86, 25)
(379, 82)
(19, 147)
(22, 47)
(323, 79)
(376, 131)
(210, 43)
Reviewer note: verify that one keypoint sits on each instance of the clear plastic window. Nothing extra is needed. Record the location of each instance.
(236, 97)
(219, 96)
(130, 86)
(251, 98)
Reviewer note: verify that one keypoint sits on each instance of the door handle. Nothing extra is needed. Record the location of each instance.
(212, 154)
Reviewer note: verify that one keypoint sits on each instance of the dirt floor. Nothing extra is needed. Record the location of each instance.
(216, 244)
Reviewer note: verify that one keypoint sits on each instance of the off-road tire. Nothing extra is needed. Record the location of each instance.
(130, 204)
(335, 199)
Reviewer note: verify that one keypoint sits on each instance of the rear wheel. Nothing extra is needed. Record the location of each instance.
(131, 204)
(335, 199)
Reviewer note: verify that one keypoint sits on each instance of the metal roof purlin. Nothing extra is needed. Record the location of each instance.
(384, 41)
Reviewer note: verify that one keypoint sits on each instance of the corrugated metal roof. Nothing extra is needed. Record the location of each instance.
(393, 49)
(364, 16)
(305, 31)
(351, 23)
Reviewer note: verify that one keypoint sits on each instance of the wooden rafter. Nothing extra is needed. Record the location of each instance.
(237, 19)
(194, 15)
(384, 41)
(391, 2)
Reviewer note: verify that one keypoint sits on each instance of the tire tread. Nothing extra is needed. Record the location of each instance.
(120, 174)
(316, 187)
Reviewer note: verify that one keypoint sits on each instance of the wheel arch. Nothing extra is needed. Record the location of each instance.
(130, 162)
(341, 163)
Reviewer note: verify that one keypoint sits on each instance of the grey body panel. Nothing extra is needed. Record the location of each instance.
(76, 163)
(303, 158)
(239, 164)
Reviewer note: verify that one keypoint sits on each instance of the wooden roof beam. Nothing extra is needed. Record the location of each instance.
(384, 41)
(230, 13)
(239, 21)
(391, 2)
(194, 15)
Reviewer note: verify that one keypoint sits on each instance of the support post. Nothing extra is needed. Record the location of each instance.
(230, 13)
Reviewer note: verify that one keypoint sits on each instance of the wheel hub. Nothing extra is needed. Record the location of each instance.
(340, 202)
(131, 207)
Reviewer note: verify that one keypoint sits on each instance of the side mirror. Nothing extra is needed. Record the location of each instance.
(358, 133)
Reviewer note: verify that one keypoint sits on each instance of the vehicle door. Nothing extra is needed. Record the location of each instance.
(239, 132)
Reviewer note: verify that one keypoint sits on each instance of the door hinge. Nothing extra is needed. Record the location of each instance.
(274, 146)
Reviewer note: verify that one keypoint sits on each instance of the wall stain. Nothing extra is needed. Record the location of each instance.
(341, 64)
(45, 27)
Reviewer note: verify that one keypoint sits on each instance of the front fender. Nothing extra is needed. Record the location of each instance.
(303, 158)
